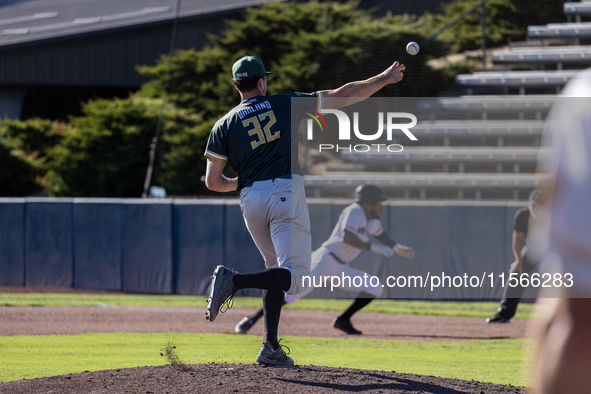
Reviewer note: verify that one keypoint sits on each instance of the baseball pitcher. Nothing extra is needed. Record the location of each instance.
(255, 139)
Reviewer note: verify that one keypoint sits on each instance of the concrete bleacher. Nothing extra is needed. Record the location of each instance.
(542, 52)
(480, 132)
(448, 155)
(561, 30)
(577, 10)
(576, 54)
(499, 128)
(520, 79)
(428, 185)
(489, 103)
(483, 143)
(483, 107)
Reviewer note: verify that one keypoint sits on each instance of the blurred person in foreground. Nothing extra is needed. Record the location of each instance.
(563, 348)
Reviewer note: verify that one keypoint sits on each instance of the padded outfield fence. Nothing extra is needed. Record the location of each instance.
(171, 245)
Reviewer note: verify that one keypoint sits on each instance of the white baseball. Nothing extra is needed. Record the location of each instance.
(412, 48)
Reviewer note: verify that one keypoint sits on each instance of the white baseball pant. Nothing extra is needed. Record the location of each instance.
(276, 215)
(324, 264)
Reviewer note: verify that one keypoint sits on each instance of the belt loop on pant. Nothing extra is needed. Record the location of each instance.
(287, 176)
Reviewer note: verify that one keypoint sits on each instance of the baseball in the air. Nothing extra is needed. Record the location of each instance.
(412, 48)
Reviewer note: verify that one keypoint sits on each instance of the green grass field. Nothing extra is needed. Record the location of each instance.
(497, 361)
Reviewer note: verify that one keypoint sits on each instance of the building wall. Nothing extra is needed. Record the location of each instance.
(53, 77)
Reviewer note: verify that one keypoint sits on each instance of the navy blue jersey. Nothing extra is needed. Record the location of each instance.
(255, 138)
(521, 221)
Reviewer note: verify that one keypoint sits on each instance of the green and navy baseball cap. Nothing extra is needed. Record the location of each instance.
(249, 66)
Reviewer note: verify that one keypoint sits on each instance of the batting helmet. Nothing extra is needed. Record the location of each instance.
(369, 194)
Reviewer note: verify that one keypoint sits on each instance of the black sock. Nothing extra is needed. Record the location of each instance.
(269, 279)
(272, 303)
(359, 303)
(258, 314)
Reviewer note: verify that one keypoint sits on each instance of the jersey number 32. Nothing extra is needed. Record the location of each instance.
(264, 134)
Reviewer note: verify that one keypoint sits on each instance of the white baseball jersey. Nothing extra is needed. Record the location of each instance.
(353, 219)
(570, 164)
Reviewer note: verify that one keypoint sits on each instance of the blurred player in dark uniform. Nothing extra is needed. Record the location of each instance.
(523, 264)
(255, 138)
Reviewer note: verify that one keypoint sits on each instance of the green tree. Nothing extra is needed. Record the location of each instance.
(105, 152)
(24, 146)
(33, 136)
(18, 176)
(307, 46)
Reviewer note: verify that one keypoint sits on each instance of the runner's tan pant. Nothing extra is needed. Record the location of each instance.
(276, 215)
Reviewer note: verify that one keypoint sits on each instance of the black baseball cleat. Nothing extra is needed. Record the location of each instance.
(345, 325)
(222, 292)
(497, 319)
(243, 326)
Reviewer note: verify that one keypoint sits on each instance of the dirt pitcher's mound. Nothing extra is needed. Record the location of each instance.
(239, 378)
